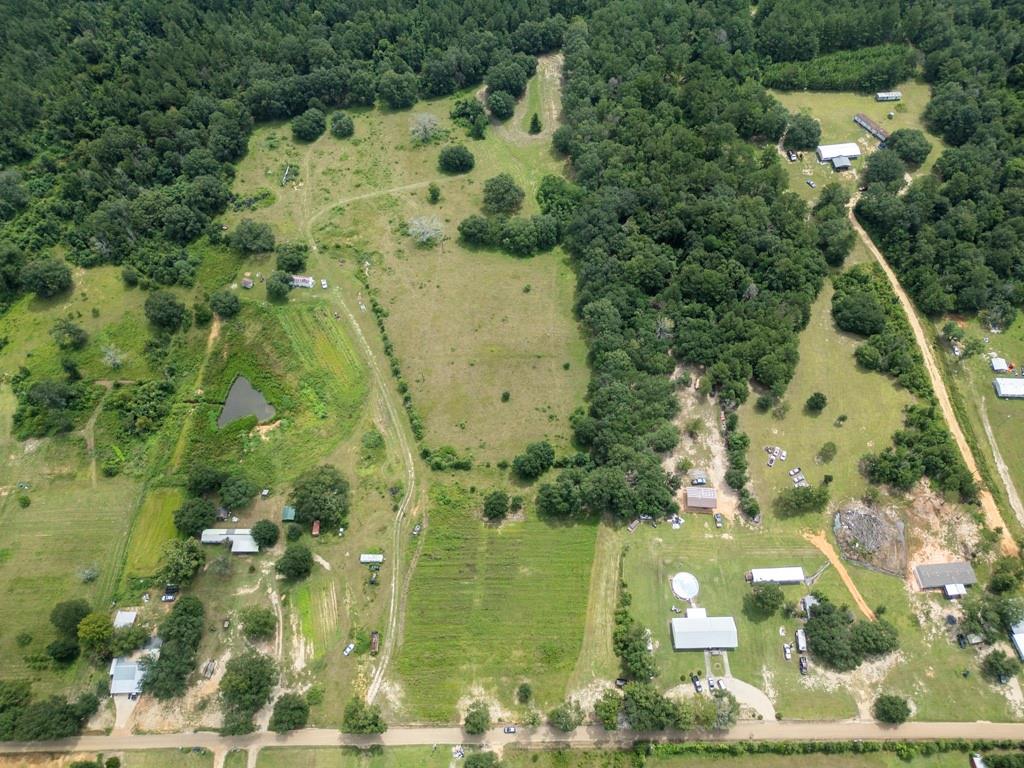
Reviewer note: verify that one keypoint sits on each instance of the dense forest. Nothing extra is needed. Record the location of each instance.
(119, 121)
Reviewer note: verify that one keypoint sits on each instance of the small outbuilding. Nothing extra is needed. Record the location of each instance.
(701, 497)
(952, 578)
(999, 365)
(871, 126)
(125, 618)
(126, 677)
(841, 163)
(786, 575)
(302, 281)
(828, 152)
(888, 96)
(316, 528)
(288, 515)
(807, 602)
(246, 283)
(801, 641)
(370, 559)
(1011, 389)
(699, 632)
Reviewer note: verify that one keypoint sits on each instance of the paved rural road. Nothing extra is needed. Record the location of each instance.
(590, 736)
(993, 517)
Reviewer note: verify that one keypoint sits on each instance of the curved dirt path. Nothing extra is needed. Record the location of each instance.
(993, 517)
(394, 431)
(822, 544)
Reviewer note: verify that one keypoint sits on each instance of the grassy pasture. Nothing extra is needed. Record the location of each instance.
(349, 757)
(581, 758)
(467, 325)
(492, 607)
(835, 111)
(154, 525)
(872, 403)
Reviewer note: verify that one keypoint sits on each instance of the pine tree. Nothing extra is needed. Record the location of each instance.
(535, 126)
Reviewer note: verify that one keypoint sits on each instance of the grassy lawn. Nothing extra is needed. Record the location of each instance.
(835, 111)
(154, 525)
(236, 758)
(581, 758)
(491, 607)
(349, 757)
(872, 404)
(167, 758)
(467, 325)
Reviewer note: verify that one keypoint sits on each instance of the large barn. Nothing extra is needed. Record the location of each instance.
(699, 632)
(1009, 388)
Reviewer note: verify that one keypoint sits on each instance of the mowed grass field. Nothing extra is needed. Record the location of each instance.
(491, 607)
(71, 525)
(466, 325)
(872, 403)
(154, 525)
(349, 757)
(835, 111)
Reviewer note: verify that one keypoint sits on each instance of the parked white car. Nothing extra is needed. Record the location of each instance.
(348, 649)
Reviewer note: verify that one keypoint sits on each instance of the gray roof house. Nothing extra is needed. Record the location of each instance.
(125, 677)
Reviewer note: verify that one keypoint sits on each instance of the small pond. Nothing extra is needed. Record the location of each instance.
(243, 400)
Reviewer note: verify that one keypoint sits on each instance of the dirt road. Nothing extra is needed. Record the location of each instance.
(993, 518)
(822, 545)
(589, 736)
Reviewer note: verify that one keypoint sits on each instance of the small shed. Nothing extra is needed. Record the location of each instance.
(888, 96)
(808, 602)
(786, 575)
(302, 281)
(316, 528)
(246, 283)
(288, 515)
(374, 643)
(999, 365)
(701, 497)
(369, 559)
(841, 163)
(125, 618)
(1011, 389)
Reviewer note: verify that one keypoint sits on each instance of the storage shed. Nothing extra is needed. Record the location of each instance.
(888, 96)
(871, 126)
(1009, 388)
(124, 618)
(288, 515)
(701, 497)
(999, 365)
(788, 575)
(369, 559)
(841, 163)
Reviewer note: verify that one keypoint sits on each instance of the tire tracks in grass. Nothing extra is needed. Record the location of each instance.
(822, 544)
(390, 414)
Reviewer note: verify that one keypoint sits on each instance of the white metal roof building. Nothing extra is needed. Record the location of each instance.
(699, 632)
(125, 618)
(788, 575)
(364, 559)
(888, 96)
(125, 676)
(1017, 638)
(701, 497)
(999, 365)
(828, 152)
(242, 542)
(1010, 388)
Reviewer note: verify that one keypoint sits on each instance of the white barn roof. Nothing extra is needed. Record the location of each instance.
(701, 496)
(999, 365)
(788, 575)
(124, 618)
(827, 152)
(699, 632)
(371, 559)
(242, 542)
(1009, 387)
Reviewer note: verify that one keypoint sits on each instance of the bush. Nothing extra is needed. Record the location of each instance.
(891, 709)
(537, 459)
(237, 491)
(804, 132)
(801, 501)
(193, 516)
(816, 403)
(309, 126)
(455, 159)
(501, 104)
(567, 716)
(279, 285)
(294, 533)
(884, 167)
(67, 615)
(524, 693)
(997, 666)
(342, 126)
(766, 599)
(68, 336)
(63, 650)
(291, 712)
(478, 718)
(910, 144)
(535, 124)
(496, 505)
(165, 311)
(296, 562)
(266, 533)
(258, 623)
(291, 257)
(361, 717)
(46, 277)
(246, 686)
(225, 303)
(252, 237)
(502, 195)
